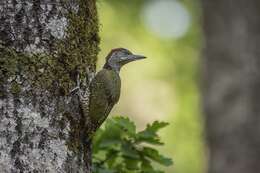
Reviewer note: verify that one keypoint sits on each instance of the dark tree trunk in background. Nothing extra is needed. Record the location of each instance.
(43, 45)
(231, 84)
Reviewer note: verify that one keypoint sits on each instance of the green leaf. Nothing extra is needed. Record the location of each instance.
(156, 125)
(114, 144)
(119, 149)
(97, 140)
(112, 131)
(128, 150)
(154, 155)
(109, 138)
(131, 164)
(111, 157)
(103, 170)
(125, 124)
(146, 165)
(149, 135)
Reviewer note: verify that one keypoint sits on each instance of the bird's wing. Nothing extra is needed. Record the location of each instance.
(106, 113)
(102, 96)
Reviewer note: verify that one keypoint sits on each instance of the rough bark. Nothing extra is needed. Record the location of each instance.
(231, 82)
(43, 45)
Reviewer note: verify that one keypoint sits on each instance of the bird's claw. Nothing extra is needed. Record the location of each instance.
(75, 90)
(85, 84)
(89, 75)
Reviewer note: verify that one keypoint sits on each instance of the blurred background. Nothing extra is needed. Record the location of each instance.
(165, 85)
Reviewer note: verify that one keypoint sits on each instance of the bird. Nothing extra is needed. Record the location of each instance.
(105, 87)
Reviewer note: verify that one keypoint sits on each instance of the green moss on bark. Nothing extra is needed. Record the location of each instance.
(15, 88)
(56, 70)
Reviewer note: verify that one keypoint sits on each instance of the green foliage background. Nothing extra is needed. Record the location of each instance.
(119, 148)
(163, 87)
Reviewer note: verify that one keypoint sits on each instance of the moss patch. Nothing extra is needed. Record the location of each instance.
(56, 70)
(15, 88)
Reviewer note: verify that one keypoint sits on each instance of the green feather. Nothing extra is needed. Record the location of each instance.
(104, 94)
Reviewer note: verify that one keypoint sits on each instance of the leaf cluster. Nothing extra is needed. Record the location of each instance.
(118, 148)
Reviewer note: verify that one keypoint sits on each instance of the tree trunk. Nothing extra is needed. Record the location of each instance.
(44, 44)
(231, 82)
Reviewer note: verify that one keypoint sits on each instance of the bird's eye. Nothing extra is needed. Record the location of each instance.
(127, 53)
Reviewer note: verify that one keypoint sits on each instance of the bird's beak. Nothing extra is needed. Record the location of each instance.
(131, 58)
(137, 57)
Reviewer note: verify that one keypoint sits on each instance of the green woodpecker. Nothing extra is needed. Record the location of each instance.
(104, 89)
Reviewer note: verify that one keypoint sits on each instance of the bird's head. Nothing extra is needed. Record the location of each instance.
(119, 57)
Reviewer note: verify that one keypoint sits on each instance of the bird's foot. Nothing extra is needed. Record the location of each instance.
(77, 89)
(82, 88)
(90, 75)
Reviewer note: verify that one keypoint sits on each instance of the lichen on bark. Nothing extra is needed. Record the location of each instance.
(43, 45)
